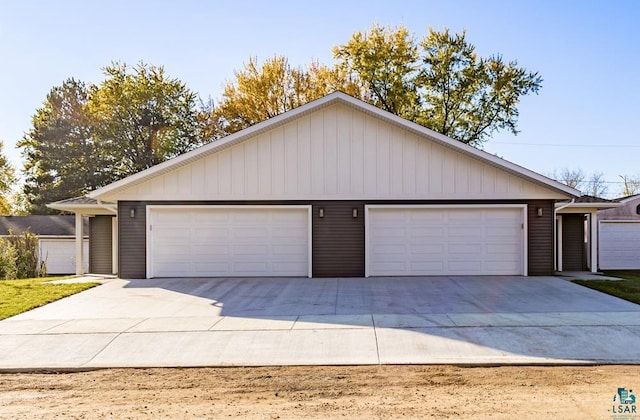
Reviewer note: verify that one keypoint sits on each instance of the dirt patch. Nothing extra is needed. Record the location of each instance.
(358, 392)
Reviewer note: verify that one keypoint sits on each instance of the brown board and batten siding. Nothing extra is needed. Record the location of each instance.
(540, 241)
(132, 239)
(100, 244)
(338, 239)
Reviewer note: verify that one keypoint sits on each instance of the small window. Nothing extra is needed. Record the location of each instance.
(638, 209)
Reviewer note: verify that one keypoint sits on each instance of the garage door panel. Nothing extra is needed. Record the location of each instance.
(502, 249)
(248, 250)
(433, 233)
(209, 233)
(462, 251)
(435, 241)
(288, 266)
(217, 241)
(60, 255)
(619, 245)
(425, 218)
(465, 216)
(464, 266)
(176, 234)
(389, 248)
(290, 251)
(388, 267)
(499, 266)
(388, 232)
(426, 249)
(251, 216)
(435, 266)
(204, 218)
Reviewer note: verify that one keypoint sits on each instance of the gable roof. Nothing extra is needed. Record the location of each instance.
(332, 99)
(628, 198)
(591, 199)
(40, 225)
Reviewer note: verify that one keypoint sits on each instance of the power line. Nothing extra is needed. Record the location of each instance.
(565, 145)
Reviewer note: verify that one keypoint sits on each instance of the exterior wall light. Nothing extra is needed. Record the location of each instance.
(354, 213)
(539, 211)
(132, 213)
(321, 212)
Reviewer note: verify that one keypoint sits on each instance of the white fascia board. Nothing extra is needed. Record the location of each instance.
(336, 97)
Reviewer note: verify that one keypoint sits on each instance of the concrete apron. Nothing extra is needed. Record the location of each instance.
(162, 328)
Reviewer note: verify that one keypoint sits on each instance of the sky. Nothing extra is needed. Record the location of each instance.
(586, 115)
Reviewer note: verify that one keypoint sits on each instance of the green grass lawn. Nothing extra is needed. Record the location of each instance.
(628, 289)
(17, 296)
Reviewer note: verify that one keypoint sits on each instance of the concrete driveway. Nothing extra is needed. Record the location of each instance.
(300, 321)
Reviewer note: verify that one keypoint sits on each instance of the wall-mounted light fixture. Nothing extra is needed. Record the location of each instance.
(354, 213)
(321, 212)
(132, 213)
(539, 211)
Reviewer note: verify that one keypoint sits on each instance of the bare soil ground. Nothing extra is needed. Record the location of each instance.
(357, 392)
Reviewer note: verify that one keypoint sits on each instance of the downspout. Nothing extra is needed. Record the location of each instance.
(555, 231)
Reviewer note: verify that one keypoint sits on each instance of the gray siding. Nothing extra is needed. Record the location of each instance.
(100, 245)
(132, 239)
(573, 256)
(338, 240)
(540, 238)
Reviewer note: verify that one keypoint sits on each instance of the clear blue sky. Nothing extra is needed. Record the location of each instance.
(586, 115)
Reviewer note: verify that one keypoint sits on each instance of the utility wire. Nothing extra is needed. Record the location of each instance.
(565, 145)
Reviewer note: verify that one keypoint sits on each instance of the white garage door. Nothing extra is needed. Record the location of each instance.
(60, 255)
(443, 241)
(233, 242)
(619, 245)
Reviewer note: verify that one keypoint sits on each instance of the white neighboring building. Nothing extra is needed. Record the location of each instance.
(619, 230)
(56, 236)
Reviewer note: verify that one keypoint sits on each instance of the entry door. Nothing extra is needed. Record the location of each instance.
(573, 244)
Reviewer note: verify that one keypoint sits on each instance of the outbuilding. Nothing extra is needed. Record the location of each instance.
(56, 240)
(620, 235)
(334, 188)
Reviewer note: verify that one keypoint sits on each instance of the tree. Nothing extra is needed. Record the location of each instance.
(593, 184)
(63, 159)
(596, 185)
(631, 185)
(385, 63)
(143, 117)
(86, 136)
(260, 92)
(440, 82)
(574, 178)
(7, 181)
